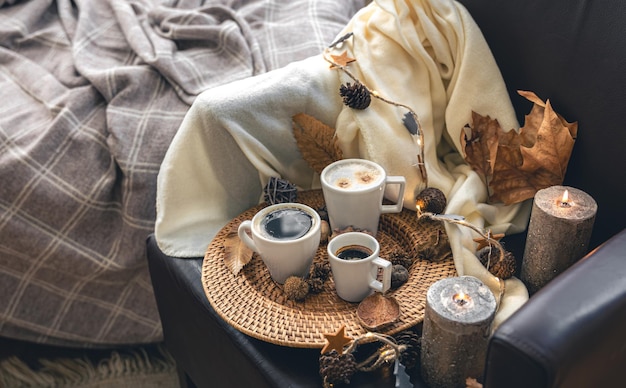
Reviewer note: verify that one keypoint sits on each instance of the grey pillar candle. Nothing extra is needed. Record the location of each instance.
(457, 326)
(558, 233)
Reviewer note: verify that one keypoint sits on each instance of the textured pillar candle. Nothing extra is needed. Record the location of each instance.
(457, 326)
(560, 227)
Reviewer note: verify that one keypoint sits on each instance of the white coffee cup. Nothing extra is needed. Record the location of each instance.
(353, 191)
(286, 236)
(356, 276)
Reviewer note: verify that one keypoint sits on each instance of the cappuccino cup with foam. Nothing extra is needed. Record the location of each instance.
(353, 191)
(286, 236)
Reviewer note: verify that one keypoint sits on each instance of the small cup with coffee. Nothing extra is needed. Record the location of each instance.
(354, 190)
(354, 263)
(286, 236)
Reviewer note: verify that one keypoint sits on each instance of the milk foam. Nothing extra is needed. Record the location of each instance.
(353, 176)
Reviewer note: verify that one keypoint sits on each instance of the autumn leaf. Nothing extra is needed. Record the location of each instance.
(237, 254)
(525, 162)
(317, 141)
(482, 144)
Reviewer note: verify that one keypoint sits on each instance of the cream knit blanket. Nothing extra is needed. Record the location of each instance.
(429, 55)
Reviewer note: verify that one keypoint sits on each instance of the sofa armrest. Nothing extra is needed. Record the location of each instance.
(571, 333)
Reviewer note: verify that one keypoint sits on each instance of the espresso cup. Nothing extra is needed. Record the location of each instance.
(286, 236)
(354, 263)
(354, 190)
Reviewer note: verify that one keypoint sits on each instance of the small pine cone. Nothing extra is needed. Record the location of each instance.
(356, 95)
(316, 285)
(431, 200)
(335, 368)
(296, 288)
(502, 269)
(401, 258)
(399, 275)
(412, 342)
(321, 271)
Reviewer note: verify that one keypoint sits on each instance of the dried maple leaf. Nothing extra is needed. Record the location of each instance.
(524, 162)
(237, 254)
(545, 144)
(317, 141)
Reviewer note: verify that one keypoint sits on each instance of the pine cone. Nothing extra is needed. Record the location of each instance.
(296, 288)
(316, 285)
(355, 96)
(502, 269)
(401, 258)
(431, 200)
(335, 368)
(321, 271)
(410, 356)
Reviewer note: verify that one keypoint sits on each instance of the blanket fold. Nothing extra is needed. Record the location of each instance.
(430, 56)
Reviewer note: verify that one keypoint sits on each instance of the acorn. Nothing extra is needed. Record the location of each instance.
(296, 288)
(399, 275)
(502, 269)
(431, 200)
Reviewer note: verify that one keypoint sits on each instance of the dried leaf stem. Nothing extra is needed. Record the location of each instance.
(460, 220)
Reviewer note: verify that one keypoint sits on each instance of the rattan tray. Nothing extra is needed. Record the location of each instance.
(255, 305)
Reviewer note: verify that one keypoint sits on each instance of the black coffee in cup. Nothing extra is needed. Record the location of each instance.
(288, 223)
(353, 252)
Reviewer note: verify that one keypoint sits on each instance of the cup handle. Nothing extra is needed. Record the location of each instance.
(243, 231)
(386, 266)
(397, 207)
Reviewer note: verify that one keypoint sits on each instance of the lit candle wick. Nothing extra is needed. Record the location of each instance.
(565, 202)
(461, 298)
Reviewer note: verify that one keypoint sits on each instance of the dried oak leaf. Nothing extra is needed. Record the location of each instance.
(237, 254)
(317, 141)
(525, 162)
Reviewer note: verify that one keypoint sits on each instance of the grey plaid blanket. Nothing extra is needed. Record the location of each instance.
(91, 94)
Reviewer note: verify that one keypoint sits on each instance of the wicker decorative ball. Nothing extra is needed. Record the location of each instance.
(279, 190)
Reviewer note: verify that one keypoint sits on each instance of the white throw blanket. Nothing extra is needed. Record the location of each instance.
(429, 55)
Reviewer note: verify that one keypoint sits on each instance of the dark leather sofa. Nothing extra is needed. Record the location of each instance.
(569, 334)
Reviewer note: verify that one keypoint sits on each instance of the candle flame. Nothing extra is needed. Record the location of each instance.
(565, 200)
(461, 298)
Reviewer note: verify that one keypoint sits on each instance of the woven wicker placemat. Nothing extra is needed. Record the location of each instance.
(255, 305)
